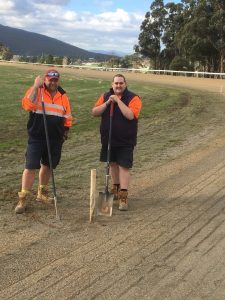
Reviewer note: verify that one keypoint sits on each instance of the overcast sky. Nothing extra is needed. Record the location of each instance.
(87, 24)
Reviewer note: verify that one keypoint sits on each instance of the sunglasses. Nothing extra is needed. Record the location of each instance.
(51, 74)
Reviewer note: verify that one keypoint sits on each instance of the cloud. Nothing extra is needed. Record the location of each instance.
(109, 30)
(5, 5)
(10, 6)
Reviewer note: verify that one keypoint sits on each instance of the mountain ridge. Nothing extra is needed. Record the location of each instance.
(111, 52)
(26, 43)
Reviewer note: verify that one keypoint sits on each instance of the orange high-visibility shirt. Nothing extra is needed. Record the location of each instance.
(58, 106)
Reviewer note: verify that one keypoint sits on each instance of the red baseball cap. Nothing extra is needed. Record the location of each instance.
(52, 73)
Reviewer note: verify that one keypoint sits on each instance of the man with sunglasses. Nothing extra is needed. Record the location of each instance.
(127, 107)
(59, 120)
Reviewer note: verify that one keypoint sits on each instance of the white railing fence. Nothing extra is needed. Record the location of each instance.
(141, 70)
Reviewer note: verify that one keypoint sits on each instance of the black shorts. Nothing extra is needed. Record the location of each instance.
(123, 156)
(37, 153)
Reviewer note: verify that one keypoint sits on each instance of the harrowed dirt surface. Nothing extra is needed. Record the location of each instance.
(169, 245)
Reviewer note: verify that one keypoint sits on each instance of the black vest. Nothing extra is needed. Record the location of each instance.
(124, 131)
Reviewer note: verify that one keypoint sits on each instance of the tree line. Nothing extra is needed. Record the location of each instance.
(189, 35)
(128, 61)
(5, 52)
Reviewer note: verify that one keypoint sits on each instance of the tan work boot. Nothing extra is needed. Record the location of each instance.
(123, 201)
(21, 205)
(43, 196)
(115, 190)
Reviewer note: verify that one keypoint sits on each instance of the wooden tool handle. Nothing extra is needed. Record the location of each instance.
(92, 193)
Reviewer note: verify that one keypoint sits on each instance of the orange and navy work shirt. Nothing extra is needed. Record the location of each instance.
(124, 131)
(135, 104)
(57, 110)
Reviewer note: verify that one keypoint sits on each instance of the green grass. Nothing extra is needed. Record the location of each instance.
(168, 118)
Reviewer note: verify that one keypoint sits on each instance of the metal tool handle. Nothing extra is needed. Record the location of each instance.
(109, 147)
(49, 153)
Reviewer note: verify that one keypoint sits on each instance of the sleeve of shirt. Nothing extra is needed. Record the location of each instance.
(67, 116)
(100, 101)
(27, 104)
(135, 105)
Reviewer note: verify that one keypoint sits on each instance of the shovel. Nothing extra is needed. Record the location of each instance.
(105, 199)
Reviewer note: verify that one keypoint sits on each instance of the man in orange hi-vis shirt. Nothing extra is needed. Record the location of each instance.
(59, 120)
(127, 107)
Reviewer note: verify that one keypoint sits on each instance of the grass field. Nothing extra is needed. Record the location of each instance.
(170, 117)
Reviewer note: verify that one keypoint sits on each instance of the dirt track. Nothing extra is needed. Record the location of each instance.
(170, 245)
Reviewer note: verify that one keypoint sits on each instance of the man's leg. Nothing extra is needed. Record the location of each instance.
(28, 179)
(125, 162)
(124, 178)
(114, 172)
(45, 172)
(27, 183)
(124, 175)
(44, 176)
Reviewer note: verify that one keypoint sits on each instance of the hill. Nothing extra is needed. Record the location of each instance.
(22, 42)
(113, 53)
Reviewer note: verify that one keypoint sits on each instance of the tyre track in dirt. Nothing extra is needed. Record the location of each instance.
(170, 245)
(157, 251)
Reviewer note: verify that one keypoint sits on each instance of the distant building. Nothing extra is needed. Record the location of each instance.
(16, 57)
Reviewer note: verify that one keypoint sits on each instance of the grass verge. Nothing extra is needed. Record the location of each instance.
(170, 116)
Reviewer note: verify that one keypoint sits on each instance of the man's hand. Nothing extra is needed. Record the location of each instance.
(114, 98)
(65, 135)
(38, 82)
(125, 110)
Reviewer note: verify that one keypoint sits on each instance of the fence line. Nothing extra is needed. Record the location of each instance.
(141, 70)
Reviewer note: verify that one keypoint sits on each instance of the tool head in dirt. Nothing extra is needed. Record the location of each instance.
(57, 216)
(105, 204)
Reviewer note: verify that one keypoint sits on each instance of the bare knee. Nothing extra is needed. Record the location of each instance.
(29, 172)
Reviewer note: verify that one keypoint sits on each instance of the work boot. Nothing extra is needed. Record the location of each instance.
(123, 201)
(114, 190)
(21, 205)
(43, 196)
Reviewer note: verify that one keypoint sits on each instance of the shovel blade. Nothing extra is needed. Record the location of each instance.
(105, 204)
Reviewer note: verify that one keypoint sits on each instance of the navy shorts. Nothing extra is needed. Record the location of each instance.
(123, 156)
(37, 153)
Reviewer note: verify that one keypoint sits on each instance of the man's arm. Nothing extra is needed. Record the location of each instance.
(125, 110)
(100, 107)
(30, 100)
(67, 117)
(39, 81)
